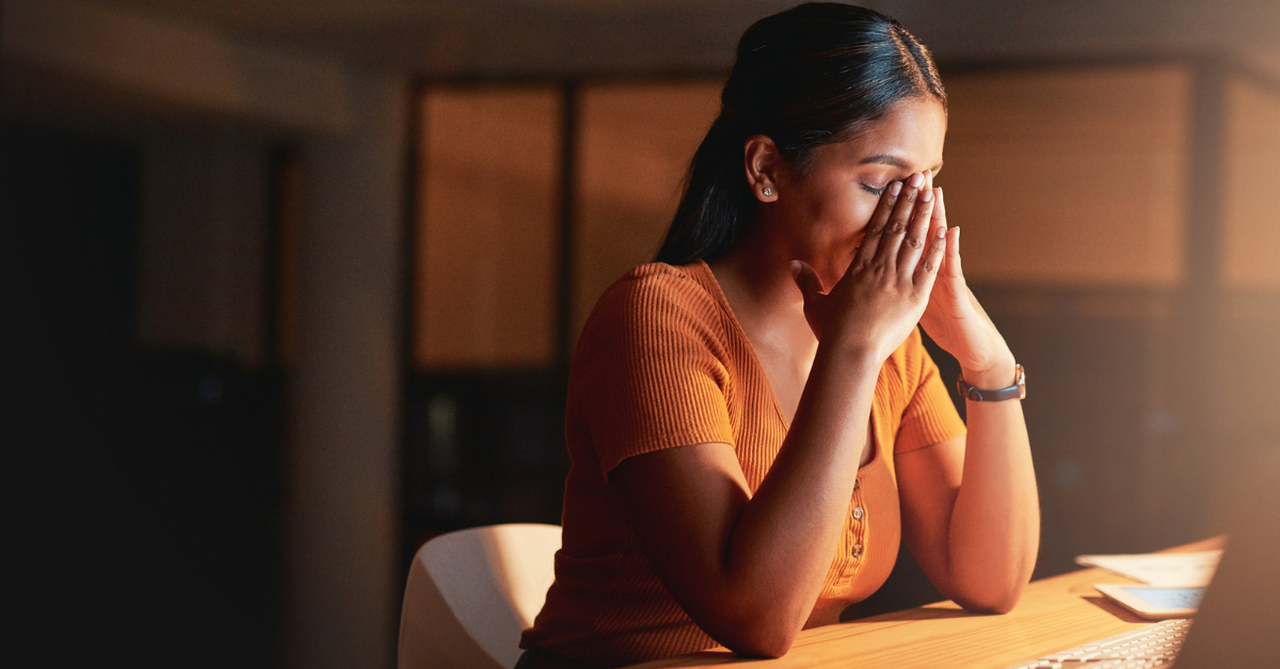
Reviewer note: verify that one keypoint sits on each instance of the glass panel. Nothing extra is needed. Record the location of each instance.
(1070, 177)
(1251, 226)
(636, 142)
(1248, 354)
(486, 248)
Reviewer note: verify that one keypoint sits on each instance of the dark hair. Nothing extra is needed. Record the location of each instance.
(812, 75)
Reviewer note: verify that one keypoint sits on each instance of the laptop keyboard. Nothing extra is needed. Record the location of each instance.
(1150, 647)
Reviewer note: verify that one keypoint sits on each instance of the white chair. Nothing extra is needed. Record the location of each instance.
(471, 593)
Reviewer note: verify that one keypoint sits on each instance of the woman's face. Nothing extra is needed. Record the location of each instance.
(823, 211)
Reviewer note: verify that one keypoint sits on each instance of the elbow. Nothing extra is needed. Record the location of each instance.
(764, 637)
(762, 644)
(994, 601)
(993, 607)
(991, 591)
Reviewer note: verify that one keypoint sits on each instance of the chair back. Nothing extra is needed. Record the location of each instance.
(471, 593)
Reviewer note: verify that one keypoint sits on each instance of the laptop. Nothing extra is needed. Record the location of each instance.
(1238, 622)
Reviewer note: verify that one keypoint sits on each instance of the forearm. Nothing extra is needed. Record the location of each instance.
(782, 545)
(994, 531)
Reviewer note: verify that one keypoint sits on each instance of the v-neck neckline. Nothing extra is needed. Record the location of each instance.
(755, 359)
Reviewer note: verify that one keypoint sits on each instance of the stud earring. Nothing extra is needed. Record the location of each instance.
(768, 192)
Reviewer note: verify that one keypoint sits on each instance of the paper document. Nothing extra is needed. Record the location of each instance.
(1171, 570)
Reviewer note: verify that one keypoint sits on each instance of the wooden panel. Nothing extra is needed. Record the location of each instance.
(1070, 177)
(486, 247)
(1251, 220)
(636, 143)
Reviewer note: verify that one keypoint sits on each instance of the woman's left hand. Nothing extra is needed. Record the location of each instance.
(956, 321)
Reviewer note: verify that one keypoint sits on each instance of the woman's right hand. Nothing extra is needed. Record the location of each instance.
(884, 292)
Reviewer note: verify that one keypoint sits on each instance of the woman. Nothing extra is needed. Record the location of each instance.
(752, 420)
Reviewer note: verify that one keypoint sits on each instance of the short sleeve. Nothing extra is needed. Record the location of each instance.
(650, 369)
(930, 417)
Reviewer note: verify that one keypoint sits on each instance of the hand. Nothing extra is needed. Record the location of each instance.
(885, 290)
(956, 321)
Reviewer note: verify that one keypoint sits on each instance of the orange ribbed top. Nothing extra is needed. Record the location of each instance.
(662, 362)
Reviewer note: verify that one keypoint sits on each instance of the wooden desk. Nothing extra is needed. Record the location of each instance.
(1054, 614)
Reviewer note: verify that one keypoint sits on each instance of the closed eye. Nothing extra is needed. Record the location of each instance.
(874, 191)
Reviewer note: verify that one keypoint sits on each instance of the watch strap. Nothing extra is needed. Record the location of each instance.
(1017, 391)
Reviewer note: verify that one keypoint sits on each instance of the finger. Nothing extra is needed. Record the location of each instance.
(938, 221)
(899, 221)
(953, 268)
(875, 227)
(939, 224)
(939, 209)
(927, 271)
(917, 233)
(807, 280)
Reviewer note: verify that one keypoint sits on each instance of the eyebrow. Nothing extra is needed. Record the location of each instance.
(889, 159)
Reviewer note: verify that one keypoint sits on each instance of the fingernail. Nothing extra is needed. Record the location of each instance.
(942, 232)
(795, 268)
(895, 187)
(916, 180)
(927, 195)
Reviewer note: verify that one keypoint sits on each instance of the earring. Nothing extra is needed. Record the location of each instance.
(768, 192)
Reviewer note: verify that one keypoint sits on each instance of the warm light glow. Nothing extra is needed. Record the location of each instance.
(1074, 177)
(486, 247)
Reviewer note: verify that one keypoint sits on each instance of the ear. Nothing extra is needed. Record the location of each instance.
(762, 162)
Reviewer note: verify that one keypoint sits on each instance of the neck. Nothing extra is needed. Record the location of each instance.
(756, 277)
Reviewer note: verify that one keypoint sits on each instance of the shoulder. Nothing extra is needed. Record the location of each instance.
(654, 284)
(657, 296)
(652, 367)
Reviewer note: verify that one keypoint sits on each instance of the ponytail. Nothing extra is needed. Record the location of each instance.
(717, 205)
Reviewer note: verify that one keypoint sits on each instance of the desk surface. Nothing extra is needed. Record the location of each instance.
(1055, 613)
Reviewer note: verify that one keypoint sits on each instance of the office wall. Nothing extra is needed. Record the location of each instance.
(204, 246)
(487, 227)
(1070, 176)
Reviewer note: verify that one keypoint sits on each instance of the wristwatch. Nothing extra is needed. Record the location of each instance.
(1017, 391)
